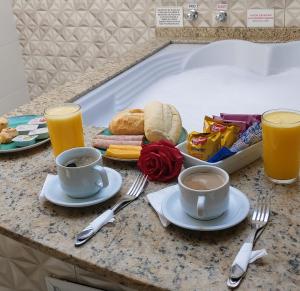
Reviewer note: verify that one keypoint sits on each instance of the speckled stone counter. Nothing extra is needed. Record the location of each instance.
(136, 250)
(209, 34)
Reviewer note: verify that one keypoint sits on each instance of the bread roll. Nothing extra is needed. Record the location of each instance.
(128, 122)
(162, 121)
(3, 123)
(7, 134)
(10, 131)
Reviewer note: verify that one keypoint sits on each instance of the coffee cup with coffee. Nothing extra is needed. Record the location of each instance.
(80, 172)
(204, 191)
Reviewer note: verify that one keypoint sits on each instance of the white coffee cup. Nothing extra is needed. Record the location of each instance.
(82, 181)
(204, 204)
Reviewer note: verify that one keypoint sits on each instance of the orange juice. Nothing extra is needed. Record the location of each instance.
(65, 127)
(281, 145)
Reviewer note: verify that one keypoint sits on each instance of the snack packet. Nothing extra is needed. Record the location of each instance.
(229, 132)
(220, 155)
(251, 136)
(242, 124)
(248, 118)
(203, 145)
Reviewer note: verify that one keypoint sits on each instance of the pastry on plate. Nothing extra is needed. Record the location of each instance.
(3, 123)
(129, 121)
(7, 134)
(162, 122)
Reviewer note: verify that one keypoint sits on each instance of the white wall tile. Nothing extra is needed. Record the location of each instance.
(279, 17)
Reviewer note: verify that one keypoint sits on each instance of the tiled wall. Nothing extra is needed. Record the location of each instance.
(63, 38)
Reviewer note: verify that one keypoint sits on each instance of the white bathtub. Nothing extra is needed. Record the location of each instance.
(225, 76)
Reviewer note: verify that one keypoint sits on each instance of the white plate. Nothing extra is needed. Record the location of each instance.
(237, 211)
(56, 195)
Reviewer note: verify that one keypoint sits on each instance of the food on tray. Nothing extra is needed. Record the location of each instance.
(41, 133)
(162, 122)
(26, 128)
(128, 122)
(3, 123)
(40, 121)
(229, 132)
(24, 140)
(124, 152)
(237, 131)
(221, 154)
(160, 161)
(5, 138)
(251, 136)
(104, 141)
(248, 118)
(203, 145)
(242, 124)
(24, 134)
(10, 131)
(7, 134)
(120, 137)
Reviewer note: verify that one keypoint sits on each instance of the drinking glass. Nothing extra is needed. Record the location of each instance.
(65, 127)
(281, 145)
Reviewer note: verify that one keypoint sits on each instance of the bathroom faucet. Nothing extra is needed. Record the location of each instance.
(221, 16)
(192, 15)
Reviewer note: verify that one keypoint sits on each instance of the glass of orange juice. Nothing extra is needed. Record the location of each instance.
(281, 145)
(65, 127)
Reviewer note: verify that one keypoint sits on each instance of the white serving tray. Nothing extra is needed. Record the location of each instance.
(230, 164)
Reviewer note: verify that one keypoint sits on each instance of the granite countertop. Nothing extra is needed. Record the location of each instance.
(136, 250)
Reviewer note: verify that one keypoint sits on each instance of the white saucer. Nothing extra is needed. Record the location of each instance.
(237, 211)
(56, 195)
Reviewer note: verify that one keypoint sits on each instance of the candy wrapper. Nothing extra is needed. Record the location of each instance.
(248, 118)
(229, 132)
(251, 136)
(242, 124)
(222, 154)
(203, 145)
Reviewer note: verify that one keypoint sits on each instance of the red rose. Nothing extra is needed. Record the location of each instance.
(161, 161)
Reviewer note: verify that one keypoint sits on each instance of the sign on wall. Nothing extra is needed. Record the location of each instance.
(169, 17)
(260, 18)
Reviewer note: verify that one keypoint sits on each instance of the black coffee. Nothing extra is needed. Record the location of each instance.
(80, 161)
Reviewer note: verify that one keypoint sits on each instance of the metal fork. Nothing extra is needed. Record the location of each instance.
(259, 220)
(133, 193)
